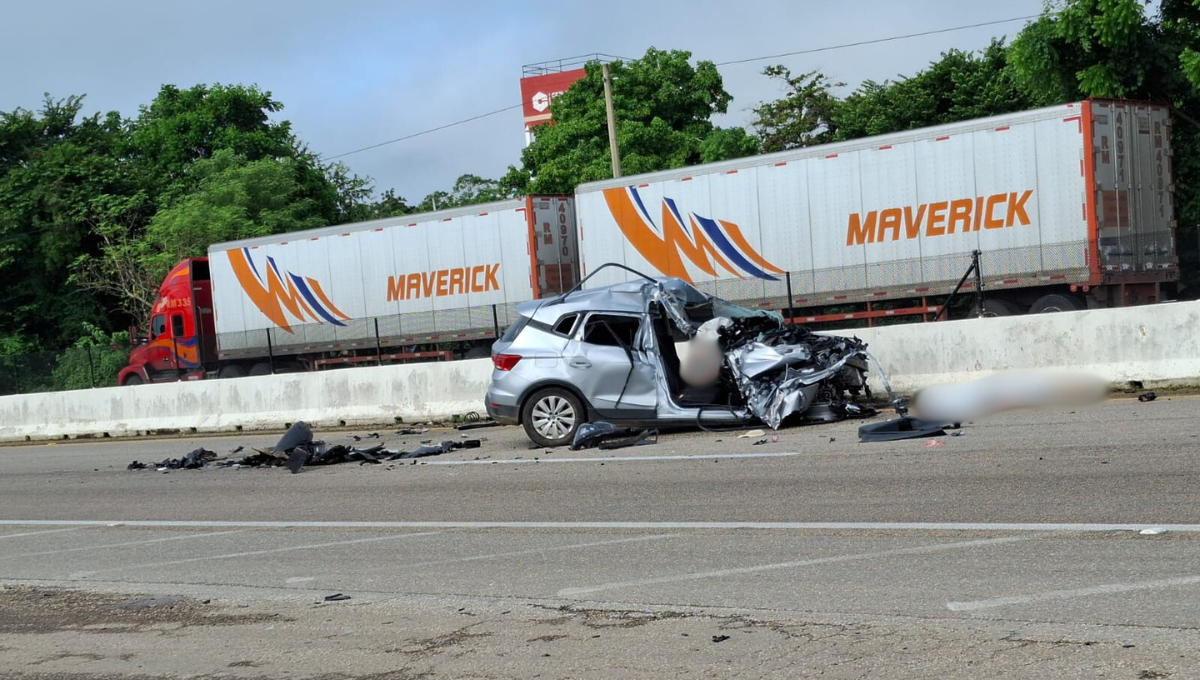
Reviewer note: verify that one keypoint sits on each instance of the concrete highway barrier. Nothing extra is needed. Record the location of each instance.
(1158, 345)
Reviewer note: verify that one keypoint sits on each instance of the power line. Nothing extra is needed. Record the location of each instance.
(724, 63)
(425, 132)
(879, 40)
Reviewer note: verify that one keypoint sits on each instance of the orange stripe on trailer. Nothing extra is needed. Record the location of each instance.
(531, 236)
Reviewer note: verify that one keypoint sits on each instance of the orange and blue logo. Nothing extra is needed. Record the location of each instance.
(707, 245)
(275, 292)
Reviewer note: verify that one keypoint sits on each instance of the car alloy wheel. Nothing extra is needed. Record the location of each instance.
(552, 416)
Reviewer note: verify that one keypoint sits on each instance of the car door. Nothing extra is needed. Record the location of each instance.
(602, 360)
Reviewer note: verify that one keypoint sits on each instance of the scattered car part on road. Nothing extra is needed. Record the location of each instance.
(904, 427)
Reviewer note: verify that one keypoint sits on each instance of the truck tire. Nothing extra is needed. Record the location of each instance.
(552, 416)
(231, 371)
(261, 368)
(481, 352)
(993, 307)
(1056, 302)
(133, 380)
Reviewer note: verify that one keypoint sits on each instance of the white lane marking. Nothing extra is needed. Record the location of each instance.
(301, 579)
(123, 545)
(652, 526)
(1105, 589)
(251, 553)
(720, 573)
(534, 551)
(36, 533)
(606, 459)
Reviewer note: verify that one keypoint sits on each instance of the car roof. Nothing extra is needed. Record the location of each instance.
(629, 297)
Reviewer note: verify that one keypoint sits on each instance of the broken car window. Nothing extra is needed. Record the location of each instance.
(566, 324)
(612, 330)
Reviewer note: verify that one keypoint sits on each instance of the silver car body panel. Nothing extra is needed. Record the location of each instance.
(626, 379)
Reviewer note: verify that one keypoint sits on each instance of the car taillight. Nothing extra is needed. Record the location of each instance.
(505, 362)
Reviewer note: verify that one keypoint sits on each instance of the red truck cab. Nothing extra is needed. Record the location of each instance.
(182, 338)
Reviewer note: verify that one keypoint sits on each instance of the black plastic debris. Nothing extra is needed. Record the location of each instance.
(476, 426)
(720, 638)
(297, 459)
(192, 461)
(298, 434)
(436, 449)
(1149, 396)
(642, 438)
(607, 436)
(905, 427)
(198, 458)
(590, 435)
(337, 597)
(297, 449)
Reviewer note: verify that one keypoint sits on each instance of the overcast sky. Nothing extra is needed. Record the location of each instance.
(352, 73)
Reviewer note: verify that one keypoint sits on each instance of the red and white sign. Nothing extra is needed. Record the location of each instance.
(538, 91)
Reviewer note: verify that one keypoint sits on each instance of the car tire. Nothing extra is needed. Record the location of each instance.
(1056, 302)
(133, 380)
(552, 416)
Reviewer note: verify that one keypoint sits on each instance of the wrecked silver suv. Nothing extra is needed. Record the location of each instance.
(657, 352)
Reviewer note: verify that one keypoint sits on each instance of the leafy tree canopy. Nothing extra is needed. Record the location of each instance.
(663, 106)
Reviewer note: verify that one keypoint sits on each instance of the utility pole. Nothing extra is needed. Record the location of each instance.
(612, 122)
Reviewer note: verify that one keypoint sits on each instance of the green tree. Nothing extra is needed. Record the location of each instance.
(663, 108)
(234, 199)
(802, 117)
(389, 204)
(959, 86)
(94, 361)
(467, 190)
(53, 163)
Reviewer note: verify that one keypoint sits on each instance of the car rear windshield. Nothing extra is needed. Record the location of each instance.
(514, 330)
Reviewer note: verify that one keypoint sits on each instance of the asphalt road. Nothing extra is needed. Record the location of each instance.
(1016, 549)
